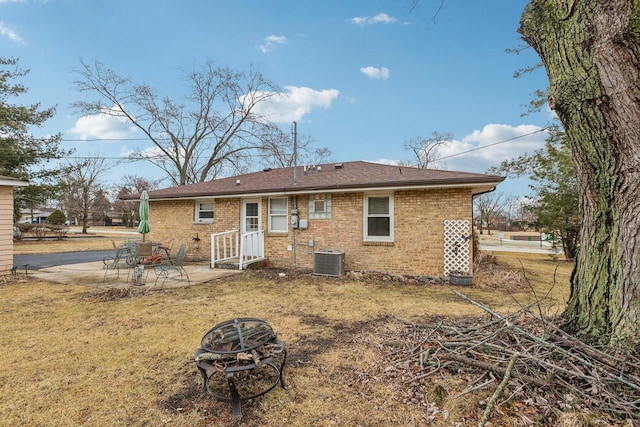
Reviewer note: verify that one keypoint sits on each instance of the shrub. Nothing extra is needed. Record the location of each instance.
(57, 217)
(24, 227)
(60, 230)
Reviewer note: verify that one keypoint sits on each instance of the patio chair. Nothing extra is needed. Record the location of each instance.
(145, 249)
(166, 249)
(175, 267)
(125, 256)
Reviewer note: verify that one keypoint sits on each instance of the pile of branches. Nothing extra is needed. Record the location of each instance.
(116, 293)
(12, 279)
(535, 361)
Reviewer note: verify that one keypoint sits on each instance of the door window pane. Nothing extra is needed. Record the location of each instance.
(251, 209)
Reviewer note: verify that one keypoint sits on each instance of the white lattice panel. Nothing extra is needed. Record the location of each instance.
(456, 245)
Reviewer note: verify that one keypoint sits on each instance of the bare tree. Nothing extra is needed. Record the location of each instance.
(489, 206)
(279, 151)
(83, 188)
(216, 125)
(127, 210)
(425, 150)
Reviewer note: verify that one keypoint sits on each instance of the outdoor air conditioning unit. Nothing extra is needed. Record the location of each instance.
(328, 262)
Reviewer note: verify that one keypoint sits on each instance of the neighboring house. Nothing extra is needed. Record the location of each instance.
(394, 219)
(6, 220)
(34, 216)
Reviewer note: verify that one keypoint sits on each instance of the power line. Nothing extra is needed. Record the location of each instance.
(136, 159)
(107, 139)
(492, 144)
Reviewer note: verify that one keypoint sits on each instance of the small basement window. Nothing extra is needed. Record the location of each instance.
(204, 211)
(320, 206)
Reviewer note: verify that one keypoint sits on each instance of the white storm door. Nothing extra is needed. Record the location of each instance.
(251, 221)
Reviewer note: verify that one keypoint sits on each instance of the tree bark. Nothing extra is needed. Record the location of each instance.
(590, 51)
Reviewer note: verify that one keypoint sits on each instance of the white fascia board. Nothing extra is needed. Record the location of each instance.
(13, 182)
(479, 187)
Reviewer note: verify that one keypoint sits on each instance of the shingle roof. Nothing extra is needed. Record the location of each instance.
(328, 177)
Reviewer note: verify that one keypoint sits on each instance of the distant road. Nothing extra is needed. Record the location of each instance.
(38, 261)
(496, 244)
(104, 230)
(520, 249)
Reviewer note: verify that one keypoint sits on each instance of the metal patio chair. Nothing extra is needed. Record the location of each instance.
(173, 268)
(125, 257)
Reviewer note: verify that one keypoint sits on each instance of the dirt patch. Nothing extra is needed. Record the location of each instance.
(114, 294)
(15, 279)
(291, 274)
(330, 357)
(494, 275)
(489, 274)
(187, 394)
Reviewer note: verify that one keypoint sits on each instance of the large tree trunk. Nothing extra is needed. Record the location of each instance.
(590, 51)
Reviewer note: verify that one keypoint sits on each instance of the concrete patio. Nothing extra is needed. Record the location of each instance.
(92, 274)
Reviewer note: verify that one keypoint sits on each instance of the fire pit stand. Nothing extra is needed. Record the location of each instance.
(241, 359)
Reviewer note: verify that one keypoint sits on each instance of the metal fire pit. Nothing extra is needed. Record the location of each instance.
(241, 359)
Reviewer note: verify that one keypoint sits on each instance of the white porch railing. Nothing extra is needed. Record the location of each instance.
(251, 248)
(230, 245)
(224, 246)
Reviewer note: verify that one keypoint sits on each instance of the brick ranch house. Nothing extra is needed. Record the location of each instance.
(393, 219)
(6, 219)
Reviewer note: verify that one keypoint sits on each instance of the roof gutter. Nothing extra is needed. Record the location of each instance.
(474, 195)
(324, 190)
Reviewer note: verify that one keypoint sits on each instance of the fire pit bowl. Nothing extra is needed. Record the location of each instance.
(241, 359)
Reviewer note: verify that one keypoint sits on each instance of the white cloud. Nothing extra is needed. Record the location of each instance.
(381, 18)
(375, 73)
(148, 152)
(102, 126)
(8, 33)
(295, 103)
(387, 161)
(271, 42)
(491, 145)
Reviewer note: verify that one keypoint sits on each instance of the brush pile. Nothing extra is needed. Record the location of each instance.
(529, 367)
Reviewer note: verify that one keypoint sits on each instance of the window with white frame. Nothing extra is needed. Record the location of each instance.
(204, 211)
(278, 221)
(378, 218)
(320, 206)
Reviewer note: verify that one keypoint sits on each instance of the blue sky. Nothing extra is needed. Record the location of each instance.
(360, 77)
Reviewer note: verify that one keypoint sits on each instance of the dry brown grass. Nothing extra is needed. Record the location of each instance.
(75, 357)
(94, 240)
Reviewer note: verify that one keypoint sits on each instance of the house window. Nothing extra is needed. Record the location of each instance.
(204, 211)
(378, 218)
(278, 215)
(320, 206)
